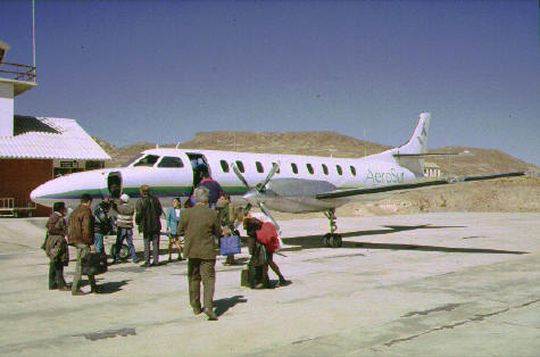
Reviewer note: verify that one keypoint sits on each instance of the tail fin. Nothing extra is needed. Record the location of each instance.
(417, 144)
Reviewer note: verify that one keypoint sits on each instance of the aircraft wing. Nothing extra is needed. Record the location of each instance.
(412, 185)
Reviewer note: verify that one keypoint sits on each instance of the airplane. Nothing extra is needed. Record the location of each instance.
(286, 183)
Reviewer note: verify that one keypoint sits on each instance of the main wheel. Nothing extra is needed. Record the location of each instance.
(326, 239)
(335, 241)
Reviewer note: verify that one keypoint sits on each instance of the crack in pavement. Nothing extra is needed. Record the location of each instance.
(100, 335)
(321, 259)
(476, 318)
(448, 308)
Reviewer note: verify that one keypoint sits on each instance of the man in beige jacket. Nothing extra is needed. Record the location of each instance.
(200, 227)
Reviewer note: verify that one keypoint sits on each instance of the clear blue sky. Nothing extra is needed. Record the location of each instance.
(160, 71)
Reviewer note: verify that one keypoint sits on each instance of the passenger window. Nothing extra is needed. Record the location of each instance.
(170, 161)
(224, 166)
(148, 160)
(310, 169)
(325, 169)
(294, 168)
(240, 166)
(260, 168)
(339, 170)
(353, 170)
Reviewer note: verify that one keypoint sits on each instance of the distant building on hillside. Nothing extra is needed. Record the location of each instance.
(34, 150)
(431, 170)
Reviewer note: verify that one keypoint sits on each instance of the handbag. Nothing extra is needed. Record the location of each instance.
(229, 245)
(94, 264)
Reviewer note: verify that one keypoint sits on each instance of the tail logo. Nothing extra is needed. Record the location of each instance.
(422, 137)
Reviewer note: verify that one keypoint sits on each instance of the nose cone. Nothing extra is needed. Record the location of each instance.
(39, 193)
(69, 188)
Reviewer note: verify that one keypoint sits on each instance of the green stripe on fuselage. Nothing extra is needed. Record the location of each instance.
(168, 191)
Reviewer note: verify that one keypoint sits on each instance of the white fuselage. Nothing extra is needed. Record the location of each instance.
(173, 172)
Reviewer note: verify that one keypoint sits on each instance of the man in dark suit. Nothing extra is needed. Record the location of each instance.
(148, 220)
(200, 227)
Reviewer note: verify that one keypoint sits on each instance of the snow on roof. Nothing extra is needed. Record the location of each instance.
(49, 138)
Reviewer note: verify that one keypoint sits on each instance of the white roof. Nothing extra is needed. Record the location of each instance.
(431, 165)
(49, 138)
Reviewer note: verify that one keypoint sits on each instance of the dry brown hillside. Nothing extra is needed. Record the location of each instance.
(479, 161)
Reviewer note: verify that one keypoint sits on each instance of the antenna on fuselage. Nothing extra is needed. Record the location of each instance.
(177, 145)
(365, 149)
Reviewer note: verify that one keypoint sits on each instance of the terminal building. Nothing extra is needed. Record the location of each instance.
(34, 150)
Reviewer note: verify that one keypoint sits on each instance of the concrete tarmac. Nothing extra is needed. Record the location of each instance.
(440, 284)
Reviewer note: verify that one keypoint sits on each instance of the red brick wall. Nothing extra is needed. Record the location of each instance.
(18, 177)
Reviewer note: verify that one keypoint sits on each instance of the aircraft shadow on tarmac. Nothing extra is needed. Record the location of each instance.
(223, 305)
(315, 242)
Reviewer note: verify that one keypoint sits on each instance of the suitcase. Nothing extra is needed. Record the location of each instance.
(244, 277)
(250, 275)
(94, 264)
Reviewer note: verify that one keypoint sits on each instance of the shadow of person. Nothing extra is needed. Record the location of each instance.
(223, 305)
(111, 287)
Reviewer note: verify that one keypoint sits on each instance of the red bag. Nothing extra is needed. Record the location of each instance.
(268, 236)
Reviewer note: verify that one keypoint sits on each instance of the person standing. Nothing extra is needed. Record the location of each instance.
(124, 224)
(102, 224)
(56, 247)
(147, 218)
(215, 191)
(81, 235)
(200, 227)
(172, 218)
(227, 217)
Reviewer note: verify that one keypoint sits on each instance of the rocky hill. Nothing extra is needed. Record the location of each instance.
(516, 194)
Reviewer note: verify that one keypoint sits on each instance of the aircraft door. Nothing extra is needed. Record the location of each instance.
(198, 164)
(114, 184)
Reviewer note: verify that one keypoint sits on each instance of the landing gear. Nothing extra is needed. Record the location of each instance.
(332, 239)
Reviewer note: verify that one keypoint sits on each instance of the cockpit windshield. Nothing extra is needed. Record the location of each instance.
(148, 160)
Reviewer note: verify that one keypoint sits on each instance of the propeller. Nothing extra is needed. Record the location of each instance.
(253, 196)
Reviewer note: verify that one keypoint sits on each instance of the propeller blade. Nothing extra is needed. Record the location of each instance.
(239, 175)
(266, 212)
(271, 173)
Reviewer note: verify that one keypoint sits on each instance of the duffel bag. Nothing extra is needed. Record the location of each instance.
(94, 263)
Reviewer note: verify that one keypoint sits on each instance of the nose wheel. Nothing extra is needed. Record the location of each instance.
(332, 239)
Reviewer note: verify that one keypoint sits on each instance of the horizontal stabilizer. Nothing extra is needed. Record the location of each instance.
(412, 185)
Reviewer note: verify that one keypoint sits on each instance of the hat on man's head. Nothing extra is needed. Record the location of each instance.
(144, 188)
(57, 206)
(124, 197)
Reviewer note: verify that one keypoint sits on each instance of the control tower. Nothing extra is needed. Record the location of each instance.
(15, 79)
